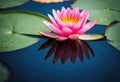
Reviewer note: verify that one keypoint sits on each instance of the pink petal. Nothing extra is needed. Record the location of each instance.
(64, 13)
(82, 22)
(86, 18)
(68, 10)
(73, 36)
(52, 35)
(53, 20)
(87, 26)
(70, 13)
(82, 13)
(57, 18)
(57, 23)
(67, 31)
(48, 34)
(70, 25)
(58, 13)
(77, 26)
(76, 10)
(55, 14)
(61, 38)
(62, 10)
(47, 24)
(53, 28)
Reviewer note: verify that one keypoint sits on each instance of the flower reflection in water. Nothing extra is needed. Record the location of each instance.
(69, 49)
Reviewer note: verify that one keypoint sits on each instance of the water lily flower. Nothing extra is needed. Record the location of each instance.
(49, 1)
(70, 24)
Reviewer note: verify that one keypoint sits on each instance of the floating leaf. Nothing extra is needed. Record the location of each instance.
(113, 35)
(14, 25)
(11, 3)
(6, 72)
(15, 41)
(90, 36)
(22, 22)
(105, 11)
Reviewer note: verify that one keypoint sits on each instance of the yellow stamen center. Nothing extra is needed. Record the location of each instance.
(72, 19)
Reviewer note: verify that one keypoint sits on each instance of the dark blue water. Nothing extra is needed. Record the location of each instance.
(29, 65)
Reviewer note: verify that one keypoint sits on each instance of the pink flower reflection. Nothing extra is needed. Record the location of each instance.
(69, 49)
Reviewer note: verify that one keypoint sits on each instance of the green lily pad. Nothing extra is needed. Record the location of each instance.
(6, 72)
(90, 37)
(15, 41)
(22, 22)
(11, 3)
(14, 24)
(106, 11)
(113, 35)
